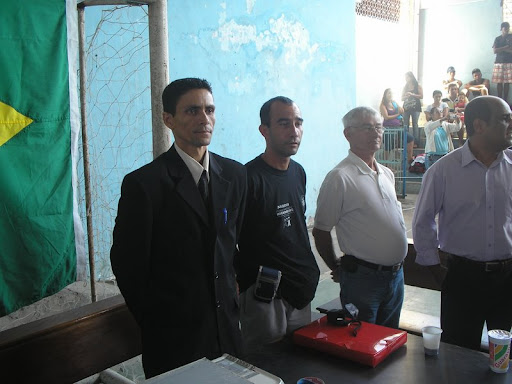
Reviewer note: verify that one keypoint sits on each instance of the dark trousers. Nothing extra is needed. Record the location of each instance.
(470, 296)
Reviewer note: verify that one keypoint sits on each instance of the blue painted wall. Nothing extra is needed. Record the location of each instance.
(251, 51)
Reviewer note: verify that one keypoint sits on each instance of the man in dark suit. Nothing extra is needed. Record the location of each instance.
(175, 236)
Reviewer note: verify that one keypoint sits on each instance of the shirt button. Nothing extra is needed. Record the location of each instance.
(218, 304)
(216, 275)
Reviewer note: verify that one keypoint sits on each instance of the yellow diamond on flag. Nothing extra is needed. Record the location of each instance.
(11, 122)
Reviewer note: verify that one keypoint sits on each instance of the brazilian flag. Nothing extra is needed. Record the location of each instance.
(37, 234)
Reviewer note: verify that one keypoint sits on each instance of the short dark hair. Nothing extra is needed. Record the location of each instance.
(265, 108)
(437, 92)
(172, 93)
(476, 70)
(451, 85)
(505, 24)
(435, 110)
(478, 108)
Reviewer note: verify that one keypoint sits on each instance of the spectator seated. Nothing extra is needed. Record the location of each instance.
(438, 137)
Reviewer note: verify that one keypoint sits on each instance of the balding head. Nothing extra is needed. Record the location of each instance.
(482, 108)
(489, 126)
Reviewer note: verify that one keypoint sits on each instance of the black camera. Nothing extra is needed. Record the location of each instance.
(267, 284)
(343, 317)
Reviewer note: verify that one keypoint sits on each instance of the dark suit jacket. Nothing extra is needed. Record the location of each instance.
(174, 263)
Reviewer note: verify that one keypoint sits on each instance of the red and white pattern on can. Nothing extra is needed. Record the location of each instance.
(310, 380)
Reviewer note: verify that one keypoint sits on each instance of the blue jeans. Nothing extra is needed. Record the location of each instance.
(377, 294)
(414, 115)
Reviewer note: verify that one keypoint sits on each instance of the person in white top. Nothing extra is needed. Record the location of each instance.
(358, 198)
(438, 135)
(441, 105)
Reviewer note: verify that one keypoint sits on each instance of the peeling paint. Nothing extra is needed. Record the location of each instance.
(250, 5)
(290, 38)
(242, 85)
(251, 51)
(222, 15)
(232, 35)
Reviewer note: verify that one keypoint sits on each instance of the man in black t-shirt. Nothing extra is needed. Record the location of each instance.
(274, 234)
(502, 71)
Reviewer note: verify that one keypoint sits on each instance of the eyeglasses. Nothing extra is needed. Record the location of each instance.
(367, 128)
(507, 117)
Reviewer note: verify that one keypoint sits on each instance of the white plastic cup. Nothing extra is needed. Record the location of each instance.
(431, 339)
(499, 350)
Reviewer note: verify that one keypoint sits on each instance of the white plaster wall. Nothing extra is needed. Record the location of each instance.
(383, 57)
(475, 25)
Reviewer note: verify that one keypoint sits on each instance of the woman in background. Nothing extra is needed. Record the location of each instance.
(460, 107)
(411, 96)
(392, 114)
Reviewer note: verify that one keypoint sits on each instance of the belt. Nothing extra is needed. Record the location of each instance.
(485, 266)
(392, 268)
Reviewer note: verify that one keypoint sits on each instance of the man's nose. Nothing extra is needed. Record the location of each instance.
(204, 117)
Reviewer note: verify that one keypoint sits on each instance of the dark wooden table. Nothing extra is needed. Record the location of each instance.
(408, 364)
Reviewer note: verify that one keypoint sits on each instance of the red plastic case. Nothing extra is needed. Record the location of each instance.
(371, 346)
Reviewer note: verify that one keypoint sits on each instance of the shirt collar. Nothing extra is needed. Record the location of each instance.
(507, 154)
(468, 157)
(361, 165)
(195, 168)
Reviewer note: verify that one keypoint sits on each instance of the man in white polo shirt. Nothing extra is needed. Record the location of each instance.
(358, 198)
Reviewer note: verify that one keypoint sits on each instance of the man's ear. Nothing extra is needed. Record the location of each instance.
(264, 130)
(346, 132)
(168, 119)
(479, 125)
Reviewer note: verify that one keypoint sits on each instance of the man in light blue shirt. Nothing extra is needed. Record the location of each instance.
(471, 191)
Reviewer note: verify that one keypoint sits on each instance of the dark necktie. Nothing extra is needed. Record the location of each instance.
(203, 186)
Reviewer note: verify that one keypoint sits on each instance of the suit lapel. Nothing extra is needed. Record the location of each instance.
(219, 187)
(184, 183)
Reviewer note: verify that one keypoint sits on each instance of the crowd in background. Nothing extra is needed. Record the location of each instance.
(444, 117)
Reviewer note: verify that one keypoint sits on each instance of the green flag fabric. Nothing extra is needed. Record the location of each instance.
(38, 254)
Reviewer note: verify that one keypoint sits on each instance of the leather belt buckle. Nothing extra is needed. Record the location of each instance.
(392, 268)
(493, 266)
